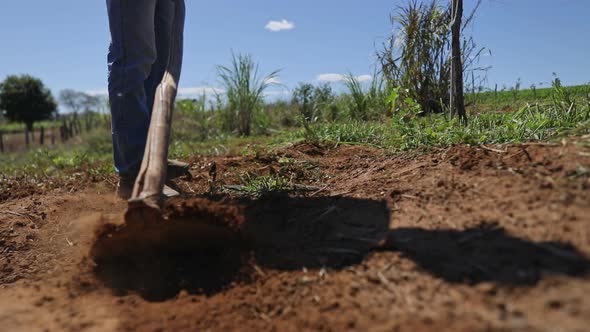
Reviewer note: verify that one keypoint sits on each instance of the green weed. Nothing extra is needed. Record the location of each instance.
(367, 103)
(532, 122)
(253, 185)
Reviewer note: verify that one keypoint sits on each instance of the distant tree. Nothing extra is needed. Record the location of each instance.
(313, 100)
(82, 105)
(325, 101)
(78, 101)
(25, 99)
(95, 104)
(303, 97)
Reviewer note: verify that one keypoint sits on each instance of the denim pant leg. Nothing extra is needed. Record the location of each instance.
(164, 22)
(131, 55)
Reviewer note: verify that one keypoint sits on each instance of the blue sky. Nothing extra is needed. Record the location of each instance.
(64, 42)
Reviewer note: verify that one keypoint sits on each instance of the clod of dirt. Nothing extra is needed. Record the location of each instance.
(185, 226)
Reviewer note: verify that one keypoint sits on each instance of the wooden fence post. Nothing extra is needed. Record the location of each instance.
(71, 129)
(64, 130)
(496, 91)
(27, 136)
(88, 121)
(42, 136)
(1, 142)
(53, 135)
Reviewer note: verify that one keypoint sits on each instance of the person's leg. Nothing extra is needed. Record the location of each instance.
(164, 26)
(163, 23)
(131, 55)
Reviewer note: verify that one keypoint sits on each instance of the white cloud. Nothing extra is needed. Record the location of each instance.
(341, 78)
(281, 25)
(277, 93)
(190, 91)
(364, 78)
(97, 92)
(331, 77)
(274, 81)
(199, 91)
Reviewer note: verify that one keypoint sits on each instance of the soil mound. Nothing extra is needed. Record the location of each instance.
(197, 246)
(186, 226)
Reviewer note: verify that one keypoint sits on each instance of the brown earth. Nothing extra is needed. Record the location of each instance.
(458, 239)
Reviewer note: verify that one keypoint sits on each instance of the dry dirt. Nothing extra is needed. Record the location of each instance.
(458, 239)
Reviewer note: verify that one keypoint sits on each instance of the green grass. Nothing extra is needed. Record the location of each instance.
(226, 145)
(551, 116)
(18, 127)
(92, 156)
(49, 168)
(529, 123)
(256, 186)
(498, 99)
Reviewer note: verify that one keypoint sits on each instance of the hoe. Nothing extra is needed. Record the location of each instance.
(145, 228)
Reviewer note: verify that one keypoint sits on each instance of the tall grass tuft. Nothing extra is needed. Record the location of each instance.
(366, 103)
(304, 99)
(244, 88)
(562, 98)
(416, 57)
(314, 103)
(193, 121)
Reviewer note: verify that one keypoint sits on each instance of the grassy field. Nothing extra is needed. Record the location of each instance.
(10, 127)
(530, 95)
(516, 98)
(538, 118)
(526, 124)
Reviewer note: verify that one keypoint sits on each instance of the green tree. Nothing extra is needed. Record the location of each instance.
(84, 105)
(25, 99)
(74, 100)
(80, 102)
(311, 100)
(303, 97)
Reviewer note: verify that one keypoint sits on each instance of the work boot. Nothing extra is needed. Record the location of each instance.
(174, 170)
(177, 169)
(125, 189)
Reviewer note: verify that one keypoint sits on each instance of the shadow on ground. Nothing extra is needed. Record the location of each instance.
(289, 233)
(485, 253)
(335, 232)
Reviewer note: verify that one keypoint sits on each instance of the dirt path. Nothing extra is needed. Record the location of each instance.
(460, 239)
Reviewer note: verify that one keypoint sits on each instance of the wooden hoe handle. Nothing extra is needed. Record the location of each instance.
(152, 174)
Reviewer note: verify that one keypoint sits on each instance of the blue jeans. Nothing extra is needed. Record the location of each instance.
(138, 54)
